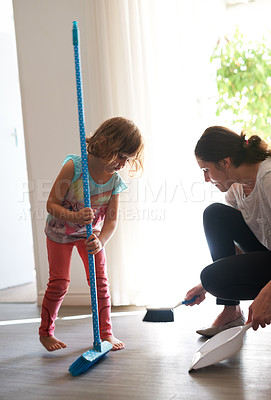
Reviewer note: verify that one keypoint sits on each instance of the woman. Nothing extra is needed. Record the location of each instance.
(238, 234)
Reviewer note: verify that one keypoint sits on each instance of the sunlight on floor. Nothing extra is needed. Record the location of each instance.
(69, 318)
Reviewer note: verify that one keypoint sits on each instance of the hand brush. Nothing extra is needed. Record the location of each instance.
(90, 357)
(164, 314)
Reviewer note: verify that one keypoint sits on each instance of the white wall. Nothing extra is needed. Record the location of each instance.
(17, 264)
(46, 68)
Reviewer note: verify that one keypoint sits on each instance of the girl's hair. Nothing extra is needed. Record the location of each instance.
(218, 143)
(118, 136)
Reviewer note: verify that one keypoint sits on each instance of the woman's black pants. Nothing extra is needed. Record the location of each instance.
(232, 277)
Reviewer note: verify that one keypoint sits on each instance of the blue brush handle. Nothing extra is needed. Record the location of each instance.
(93, 291)
(190, 301)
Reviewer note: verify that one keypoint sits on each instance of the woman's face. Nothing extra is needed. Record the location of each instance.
(217, 173)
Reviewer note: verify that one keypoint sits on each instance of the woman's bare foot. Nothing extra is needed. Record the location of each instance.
(117, 344)
(229, 314)
(51, 343)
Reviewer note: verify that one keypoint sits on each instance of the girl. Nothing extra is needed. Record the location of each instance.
(116, 142)
(238, 234)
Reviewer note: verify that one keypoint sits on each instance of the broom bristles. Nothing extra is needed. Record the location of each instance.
(87, 359)
(79, 366)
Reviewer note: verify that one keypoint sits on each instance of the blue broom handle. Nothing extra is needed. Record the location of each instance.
(75, 35)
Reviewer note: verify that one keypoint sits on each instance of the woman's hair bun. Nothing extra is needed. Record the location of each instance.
(254, 140)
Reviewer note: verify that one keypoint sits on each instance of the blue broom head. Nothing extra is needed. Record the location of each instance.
(89, 358)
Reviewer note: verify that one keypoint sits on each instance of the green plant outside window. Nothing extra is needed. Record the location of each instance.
(243, 79)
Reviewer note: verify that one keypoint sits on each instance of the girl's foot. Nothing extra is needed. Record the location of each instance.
(51, 343)
(117, 344)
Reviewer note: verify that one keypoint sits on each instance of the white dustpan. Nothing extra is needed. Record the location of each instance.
(220, 347)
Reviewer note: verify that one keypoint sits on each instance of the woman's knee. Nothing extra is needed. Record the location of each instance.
(209, 278)
(214, 211)
(204, 277)
(218, 275)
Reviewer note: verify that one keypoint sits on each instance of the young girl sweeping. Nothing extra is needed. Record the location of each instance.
(116, 142)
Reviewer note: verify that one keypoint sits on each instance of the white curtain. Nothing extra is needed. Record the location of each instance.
(148, 60)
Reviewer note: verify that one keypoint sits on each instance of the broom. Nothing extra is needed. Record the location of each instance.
(164, 314)
(90, 357)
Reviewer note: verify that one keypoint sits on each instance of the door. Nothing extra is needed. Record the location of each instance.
(17, 260)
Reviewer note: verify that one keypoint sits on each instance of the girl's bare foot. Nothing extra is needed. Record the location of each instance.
(51, 343)
(117, 344)
(229, 314)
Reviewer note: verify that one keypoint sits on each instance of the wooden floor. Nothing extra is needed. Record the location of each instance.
(153, 366)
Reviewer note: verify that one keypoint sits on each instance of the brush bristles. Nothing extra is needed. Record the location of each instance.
(159, 316)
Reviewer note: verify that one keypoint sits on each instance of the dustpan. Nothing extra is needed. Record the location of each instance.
(220, 347)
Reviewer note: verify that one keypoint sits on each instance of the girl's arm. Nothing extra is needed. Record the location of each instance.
(94, 243)
(57, 194)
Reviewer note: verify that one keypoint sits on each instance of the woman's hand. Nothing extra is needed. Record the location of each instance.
(260, 310)
(93, 244)
(85, 216)
(196, 291)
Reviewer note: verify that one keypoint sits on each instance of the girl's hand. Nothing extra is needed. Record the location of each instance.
(85, 216)
(93, 244)
(260, 309)
(196, 291)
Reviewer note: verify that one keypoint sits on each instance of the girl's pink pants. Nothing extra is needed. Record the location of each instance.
(59, 257)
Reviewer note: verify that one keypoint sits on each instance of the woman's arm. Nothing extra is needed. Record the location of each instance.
(198, 291)
(260, 309)
(57, 194)
(94, 243)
